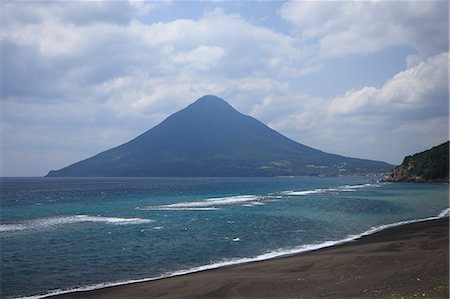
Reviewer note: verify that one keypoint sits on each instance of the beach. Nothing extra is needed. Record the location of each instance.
(410, 260)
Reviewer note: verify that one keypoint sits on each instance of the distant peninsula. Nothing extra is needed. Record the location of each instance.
(209, 138)
(427, 166)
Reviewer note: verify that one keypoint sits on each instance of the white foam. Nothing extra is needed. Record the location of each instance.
(257, 203)
(247, 200)
(444, 213)
(344, 188)
(229, 262)
(306, 192)
(44, 223)
(206, 204)
(164, 208)
(361, 186)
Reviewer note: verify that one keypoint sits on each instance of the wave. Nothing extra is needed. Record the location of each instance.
(444, 213)
(209, 203)
(165, 208)
(269, 255)
(344, 188)
(50, 222)
(248, 200)
(306, 192)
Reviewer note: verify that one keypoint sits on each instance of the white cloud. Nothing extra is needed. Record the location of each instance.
(82, 68)
(361, 27)
(77, 13)
(409, 113)
(418, 92)
(202, 57)
(152, 70)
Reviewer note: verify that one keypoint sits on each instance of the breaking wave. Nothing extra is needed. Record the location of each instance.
(50, 222)
(210, 203)
(234, 261)
(345, 188)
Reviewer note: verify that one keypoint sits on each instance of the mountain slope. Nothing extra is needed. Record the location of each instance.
(427, 166)
(211, 138)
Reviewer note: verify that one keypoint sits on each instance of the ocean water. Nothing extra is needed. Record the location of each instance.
(61, 234)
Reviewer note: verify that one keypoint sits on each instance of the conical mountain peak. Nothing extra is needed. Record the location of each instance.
(211, 104)
(206, 112)
(211, 138)
(210, 100)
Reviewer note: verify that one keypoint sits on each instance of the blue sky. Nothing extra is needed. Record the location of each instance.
(365, 79)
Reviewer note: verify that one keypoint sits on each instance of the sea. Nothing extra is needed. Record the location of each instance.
(66, 234)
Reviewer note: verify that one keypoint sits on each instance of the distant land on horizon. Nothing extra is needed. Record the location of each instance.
(209, 138)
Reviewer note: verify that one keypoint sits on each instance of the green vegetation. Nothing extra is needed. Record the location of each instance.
(429, 166)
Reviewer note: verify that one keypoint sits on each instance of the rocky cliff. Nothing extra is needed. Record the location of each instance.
(428, 166)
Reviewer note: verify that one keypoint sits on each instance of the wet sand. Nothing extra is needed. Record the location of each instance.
(407, 261)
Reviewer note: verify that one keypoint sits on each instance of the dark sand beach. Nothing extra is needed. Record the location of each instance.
(410, 261)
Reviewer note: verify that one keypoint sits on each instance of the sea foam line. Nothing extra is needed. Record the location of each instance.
(207, 204)
(344, 188)
(165, 208)
(246, 200)
(44, 223)
(266, 256)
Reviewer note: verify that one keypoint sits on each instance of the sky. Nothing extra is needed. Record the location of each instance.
(366, 79)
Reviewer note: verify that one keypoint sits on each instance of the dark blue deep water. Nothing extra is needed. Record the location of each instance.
(61, 234)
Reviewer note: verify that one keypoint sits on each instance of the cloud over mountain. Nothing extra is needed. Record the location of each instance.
(106, 70)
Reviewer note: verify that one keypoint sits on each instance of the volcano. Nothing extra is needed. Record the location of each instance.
(209, 138)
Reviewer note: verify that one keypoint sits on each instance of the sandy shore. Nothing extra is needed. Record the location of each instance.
(405, 261)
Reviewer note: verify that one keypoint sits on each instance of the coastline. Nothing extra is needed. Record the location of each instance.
(382, 262)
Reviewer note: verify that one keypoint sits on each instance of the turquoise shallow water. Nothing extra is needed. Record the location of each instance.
(62, 234)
